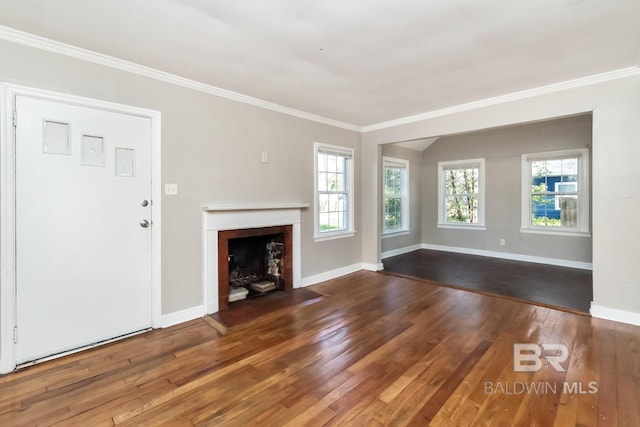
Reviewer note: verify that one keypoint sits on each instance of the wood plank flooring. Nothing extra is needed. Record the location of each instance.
(375, 350)
(549, 285)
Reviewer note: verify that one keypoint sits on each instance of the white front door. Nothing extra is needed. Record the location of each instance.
(83, 249)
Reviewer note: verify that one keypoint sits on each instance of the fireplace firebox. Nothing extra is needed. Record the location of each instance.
(253, 262)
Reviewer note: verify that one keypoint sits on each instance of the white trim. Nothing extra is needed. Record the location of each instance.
(511, 256)
(43, 43)
(405, 191)
(460, 164)
(391, 234)
(253, 207)
(614, 314)
(511, 97)
(334, 236)
(331, 274)
(181, 316)
(462, 226)
(8, 93)
(400, 251)
(350, 189)
(558, 232)
(582, 229)
(216, 220)
(372, 267)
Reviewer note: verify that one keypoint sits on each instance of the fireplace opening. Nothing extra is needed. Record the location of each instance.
(253, 263)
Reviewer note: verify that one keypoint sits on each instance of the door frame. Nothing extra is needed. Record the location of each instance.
(8, 309)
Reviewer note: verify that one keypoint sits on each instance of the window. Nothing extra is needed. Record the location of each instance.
(555, 192)
(334, 191)
(461, 194)
(395, 183)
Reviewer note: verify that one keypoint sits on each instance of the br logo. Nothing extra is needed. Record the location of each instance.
(527, 357)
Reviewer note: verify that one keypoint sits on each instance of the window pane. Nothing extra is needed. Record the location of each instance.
(462, 181)
(554, 187)
(462, 209)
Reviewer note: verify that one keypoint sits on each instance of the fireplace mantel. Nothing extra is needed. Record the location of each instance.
(253, 207)
(217, 217)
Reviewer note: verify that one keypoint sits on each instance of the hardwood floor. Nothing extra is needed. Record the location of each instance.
(552, 286)
(374, 350)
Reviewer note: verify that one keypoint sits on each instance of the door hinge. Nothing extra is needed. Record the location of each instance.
(15, 335)
(15, 118)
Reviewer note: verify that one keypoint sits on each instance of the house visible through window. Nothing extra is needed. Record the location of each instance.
(556, 191)
(461, 194)
(396, 195)
(334, 191)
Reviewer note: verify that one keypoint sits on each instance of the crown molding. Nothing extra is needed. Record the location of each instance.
(27, 39)
(515, 96)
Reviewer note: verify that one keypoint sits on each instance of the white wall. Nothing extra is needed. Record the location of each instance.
(615, 104)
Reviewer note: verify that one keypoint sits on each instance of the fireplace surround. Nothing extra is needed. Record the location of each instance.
(217, 219)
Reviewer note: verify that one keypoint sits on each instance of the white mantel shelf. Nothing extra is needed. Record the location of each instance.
(275, 206)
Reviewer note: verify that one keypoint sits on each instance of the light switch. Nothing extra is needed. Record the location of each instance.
(265, 157)
(171, 189)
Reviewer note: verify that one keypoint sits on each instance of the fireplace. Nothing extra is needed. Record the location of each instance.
(253, 262)
(277, 223)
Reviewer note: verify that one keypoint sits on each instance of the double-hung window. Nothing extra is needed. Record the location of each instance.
(334, 191)
(395, 182)
(555, 192)
(461, 194)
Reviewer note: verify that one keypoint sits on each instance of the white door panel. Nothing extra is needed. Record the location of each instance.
(83, 261)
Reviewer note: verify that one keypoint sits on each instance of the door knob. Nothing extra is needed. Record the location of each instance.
(144, 203)
(144, 223)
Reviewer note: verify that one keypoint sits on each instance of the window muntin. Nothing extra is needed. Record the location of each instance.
(461, 193)
(395, 185)
(556, 191)
(334, 190)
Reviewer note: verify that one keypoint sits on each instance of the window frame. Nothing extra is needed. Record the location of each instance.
(478, 163)
(583, 228)
(349, 231)
(402, 164)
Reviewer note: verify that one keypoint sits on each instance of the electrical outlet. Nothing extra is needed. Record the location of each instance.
(171, 189)
(502, 242)
(265, 157)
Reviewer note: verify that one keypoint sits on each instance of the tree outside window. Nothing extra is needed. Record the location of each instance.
(461, 193)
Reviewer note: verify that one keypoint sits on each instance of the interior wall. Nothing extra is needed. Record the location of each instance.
(614, 102)
(414, 236)
(502, 149)
(211, 147)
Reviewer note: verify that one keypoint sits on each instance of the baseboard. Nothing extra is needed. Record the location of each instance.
(372, 267)
(181, 316)
(331, 274)
(615, 314)
(511, 256)
(400, 251)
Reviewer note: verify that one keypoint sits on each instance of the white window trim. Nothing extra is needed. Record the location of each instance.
(480, 164)
(402, 163)
(350, 173)
(583, 193)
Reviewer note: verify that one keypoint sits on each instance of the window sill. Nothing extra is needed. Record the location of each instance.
(569, 233)
(475, 227)
(386, 234)
(334, 235)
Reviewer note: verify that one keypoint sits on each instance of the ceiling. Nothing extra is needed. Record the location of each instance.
(360, 62)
